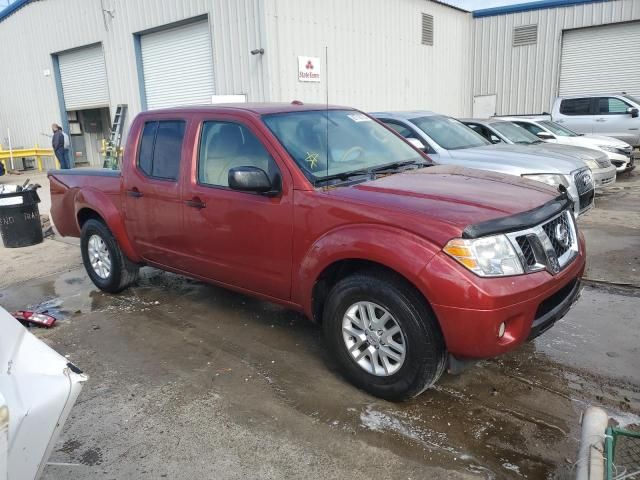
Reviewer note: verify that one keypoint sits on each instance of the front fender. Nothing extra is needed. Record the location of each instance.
(397, 249)
(103, 205)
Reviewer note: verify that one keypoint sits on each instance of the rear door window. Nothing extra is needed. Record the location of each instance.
(575, 106)
(161, 149)
(530, 127)
(611, 106)
(406, 132)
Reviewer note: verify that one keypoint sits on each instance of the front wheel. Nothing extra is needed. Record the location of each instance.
(107, 266)
(386, 339)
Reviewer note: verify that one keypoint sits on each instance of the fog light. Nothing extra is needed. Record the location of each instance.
(501, 330)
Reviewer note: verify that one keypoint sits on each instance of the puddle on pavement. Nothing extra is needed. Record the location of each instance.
(515, 416)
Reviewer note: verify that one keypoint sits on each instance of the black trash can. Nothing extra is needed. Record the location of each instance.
(20, 219)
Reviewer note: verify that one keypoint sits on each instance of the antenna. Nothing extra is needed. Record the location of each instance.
(326, 75)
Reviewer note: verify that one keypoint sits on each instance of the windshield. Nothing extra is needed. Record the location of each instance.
(557, 129)
(633, 99)
(515, 133)
(350, 141)
(450, 134)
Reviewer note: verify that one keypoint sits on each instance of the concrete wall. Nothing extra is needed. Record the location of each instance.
(525, 79)
(28, 98)
(375, 57)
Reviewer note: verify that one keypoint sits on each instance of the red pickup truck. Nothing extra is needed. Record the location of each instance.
(408, 266)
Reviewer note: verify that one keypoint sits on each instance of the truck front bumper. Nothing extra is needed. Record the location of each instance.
(471, 309)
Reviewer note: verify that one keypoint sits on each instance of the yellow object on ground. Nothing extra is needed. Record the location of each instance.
(35, 152)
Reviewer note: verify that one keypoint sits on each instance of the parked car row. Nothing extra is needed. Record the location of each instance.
(618, 152)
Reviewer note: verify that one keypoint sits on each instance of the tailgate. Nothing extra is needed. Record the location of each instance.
(38, 387)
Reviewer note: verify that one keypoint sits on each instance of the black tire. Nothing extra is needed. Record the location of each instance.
(123, 271)
(425, 359)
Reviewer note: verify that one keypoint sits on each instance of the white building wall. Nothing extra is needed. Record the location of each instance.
(28, 98)
(375, 57)
(525, 79)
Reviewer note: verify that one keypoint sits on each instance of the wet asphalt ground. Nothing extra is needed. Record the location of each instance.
(188, 380)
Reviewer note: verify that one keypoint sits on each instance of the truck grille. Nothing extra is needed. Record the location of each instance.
(550, 246)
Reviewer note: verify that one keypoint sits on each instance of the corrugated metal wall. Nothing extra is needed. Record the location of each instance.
(375, 57)
(28, 98)
(525, 78)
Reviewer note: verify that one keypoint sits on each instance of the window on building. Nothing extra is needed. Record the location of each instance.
(161, 149)
(575, 106)
(611, 106)
(525, 35)
(225, 145)
(427, 29)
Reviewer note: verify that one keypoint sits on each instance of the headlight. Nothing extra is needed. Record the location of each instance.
(487, 256)
(548, 178)
(592, 164)
(608, 148)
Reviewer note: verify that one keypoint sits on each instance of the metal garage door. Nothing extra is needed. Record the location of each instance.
(601, 60)
(178, 66)
(84, 78)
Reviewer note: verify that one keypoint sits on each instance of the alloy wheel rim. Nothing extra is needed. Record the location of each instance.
(374, 339)
(99, 256)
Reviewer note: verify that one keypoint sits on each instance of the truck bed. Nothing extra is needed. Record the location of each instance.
(71, 188)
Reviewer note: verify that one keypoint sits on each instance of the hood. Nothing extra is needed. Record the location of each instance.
(454, 197)
(574, 151)
(595, 141)
(513, 159)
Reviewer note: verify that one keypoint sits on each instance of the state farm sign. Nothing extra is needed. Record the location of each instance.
(308, 69)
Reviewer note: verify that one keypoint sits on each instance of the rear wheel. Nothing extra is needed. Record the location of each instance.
(385, 337)
(107, 266)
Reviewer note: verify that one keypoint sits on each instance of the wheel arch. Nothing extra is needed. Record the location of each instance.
(93, 204)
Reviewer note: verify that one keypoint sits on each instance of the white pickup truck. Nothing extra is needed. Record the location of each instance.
(615, 115)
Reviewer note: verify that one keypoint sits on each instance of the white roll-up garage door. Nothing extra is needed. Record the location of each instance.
(178, 66)
(84, 78)
(601, 60)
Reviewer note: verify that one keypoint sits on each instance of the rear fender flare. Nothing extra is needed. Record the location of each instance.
(100, 203)
(399, 250)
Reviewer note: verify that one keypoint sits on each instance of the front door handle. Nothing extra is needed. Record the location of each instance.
(195, 203)
(134, 192)
(600, 119)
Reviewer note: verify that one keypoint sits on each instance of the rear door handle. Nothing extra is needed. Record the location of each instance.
(134, 192)
(600, 119)
(195, 203)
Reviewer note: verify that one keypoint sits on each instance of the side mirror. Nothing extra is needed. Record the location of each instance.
(416, 143)
(545, 136)
(250, 179)
(494, 139)
(633, 112)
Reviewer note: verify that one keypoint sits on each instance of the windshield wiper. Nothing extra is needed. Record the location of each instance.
(371, 172)
(344, 176)
(391, 167)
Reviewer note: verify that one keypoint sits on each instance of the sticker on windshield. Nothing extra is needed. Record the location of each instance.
(312, 159)
(359, 117)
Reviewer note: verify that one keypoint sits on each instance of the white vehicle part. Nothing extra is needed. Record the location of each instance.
(38, 388)
(590, 464)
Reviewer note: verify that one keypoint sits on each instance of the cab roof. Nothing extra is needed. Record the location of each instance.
(255, 108)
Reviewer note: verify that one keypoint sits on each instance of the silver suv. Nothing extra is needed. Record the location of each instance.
(450, 142)
(616, 115)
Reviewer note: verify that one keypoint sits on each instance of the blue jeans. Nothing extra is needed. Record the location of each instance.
(62, 155)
